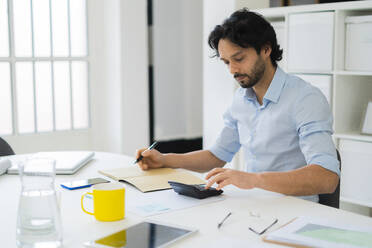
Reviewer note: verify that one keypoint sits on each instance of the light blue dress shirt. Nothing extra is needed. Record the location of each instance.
(291, 129)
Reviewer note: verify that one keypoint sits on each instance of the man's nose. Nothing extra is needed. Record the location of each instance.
(233, 69)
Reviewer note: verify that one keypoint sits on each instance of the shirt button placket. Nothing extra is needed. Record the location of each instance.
(253, 131)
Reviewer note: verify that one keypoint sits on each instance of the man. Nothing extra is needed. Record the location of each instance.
(283, 124)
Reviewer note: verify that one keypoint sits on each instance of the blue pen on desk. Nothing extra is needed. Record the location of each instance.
(141, 157)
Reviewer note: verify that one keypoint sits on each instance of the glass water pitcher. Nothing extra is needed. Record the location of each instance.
(39, 221)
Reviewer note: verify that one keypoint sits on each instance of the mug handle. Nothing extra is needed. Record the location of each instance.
(82, 203)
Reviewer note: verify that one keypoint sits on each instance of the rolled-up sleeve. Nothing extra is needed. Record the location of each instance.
(227, 144)
(314, 120)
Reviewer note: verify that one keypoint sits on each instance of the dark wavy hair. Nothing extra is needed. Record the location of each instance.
(247, 29)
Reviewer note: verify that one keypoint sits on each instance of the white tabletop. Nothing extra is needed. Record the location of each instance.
(79, 227)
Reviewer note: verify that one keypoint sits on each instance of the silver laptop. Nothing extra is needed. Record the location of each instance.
(67, 163)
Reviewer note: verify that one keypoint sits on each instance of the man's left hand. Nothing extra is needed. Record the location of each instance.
(224, 177)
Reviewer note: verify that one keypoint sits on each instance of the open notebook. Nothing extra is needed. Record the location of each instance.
(67, 162)
(151, 180)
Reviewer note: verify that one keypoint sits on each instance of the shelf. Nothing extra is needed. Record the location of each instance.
(353, 136)
(357, 201)
(354, 73)
(355, 5)
(350, 90)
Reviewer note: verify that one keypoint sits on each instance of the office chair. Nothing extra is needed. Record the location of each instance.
(5, 148)
(333, 199)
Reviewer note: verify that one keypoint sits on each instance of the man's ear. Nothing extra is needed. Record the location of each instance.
(266, 50)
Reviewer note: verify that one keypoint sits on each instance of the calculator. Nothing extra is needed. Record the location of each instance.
(193, 190)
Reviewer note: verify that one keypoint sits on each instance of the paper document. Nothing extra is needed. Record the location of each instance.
(308, 232)
(152, 180)
(163, 201)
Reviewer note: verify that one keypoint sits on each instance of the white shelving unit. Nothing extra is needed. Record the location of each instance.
(350, 90)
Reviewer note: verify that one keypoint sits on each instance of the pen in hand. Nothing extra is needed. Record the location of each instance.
(149, 148)
(220, 224)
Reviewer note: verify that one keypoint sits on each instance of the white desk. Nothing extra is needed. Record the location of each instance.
(79, 227)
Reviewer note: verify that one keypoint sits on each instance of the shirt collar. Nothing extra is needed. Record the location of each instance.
(275, 88)
(249, 93)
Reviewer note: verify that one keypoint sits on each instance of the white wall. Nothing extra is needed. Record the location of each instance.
(62, 140)
(105, 76)
(252, 4)
(134, 68)
(218, 83)
(193, 66)
(177, 60)
(119, 75)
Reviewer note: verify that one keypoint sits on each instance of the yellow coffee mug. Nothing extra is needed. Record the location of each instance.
(108, 201)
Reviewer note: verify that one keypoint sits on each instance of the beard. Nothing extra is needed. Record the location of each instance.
(257, 73)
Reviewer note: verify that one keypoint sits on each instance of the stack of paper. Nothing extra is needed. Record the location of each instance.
(163, 201)
(306, 232)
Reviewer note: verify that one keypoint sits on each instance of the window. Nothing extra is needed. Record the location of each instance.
(43, 66)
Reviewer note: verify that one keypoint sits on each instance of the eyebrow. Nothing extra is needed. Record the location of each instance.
(236, 54)
(232, 56)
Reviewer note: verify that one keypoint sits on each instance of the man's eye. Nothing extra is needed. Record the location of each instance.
(239, 59)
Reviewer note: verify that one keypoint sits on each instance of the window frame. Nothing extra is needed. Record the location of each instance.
(12, 60)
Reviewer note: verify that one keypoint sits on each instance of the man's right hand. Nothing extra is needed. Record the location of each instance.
(152, 159)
